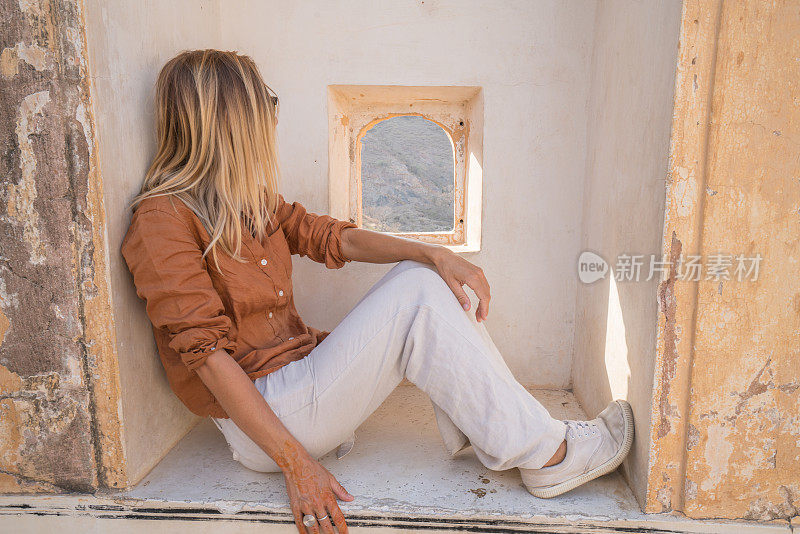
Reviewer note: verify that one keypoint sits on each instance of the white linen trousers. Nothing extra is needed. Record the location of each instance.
(409, 324)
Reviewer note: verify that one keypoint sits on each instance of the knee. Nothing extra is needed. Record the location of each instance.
(421, 281)
(407, 265)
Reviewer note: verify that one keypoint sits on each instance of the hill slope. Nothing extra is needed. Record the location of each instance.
(407, 176)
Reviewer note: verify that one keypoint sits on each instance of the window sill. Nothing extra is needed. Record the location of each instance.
(463, 248)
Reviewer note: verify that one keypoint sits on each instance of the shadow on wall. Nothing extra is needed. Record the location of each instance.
(615, 354)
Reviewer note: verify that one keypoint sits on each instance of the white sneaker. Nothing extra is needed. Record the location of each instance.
(594, 448)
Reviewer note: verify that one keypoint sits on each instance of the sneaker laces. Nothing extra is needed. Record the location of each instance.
(581, 429)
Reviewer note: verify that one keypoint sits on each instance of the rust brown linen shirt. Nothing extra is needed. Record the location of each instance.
(249, 312)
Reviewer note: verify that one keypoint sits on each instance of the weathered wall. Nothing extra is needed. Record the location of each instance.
(129, 42)
(629, 117)
(532, 61)
(726, 432)
(58, 376)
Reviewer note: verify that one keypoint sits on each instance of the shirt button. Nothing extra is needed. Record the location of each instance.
(270, 315)
(280, 293)
(263, 261)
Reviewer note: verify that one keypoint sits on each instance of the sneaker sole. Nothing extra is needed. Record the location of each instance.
(600, 470)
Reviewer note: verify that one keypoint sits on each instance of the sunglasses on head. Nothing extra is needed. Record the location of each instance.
(273, 98)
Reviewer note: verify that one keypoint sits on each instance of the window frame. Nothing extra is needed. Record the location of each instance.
(353, 110)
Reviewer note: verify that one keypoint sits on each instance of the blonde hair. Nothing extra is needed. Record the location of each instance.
(216, 122)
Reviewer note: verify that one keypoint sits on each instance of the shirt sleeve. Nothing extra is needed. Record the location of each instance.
(170, 275)
(317, 236)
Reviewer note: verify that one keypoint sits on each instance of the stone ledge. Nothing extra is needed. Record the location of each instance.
(98, 513)
(402, 478)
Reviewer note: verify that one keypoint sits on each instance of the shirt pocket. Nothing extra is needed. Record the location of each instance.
(280, 252)
(246, 289)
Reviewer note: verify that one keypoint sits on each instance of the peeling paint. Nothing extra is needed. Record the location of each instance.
(30, 407)
(685, 192)
(29, 6)
(717, 453)
(8, 63)
(669, 340)
(21, 196)
(31, 54)
(5, 324)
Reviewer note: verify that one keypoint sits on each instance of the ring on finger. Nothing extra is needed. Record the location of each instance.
(309, 520)
(323, 518)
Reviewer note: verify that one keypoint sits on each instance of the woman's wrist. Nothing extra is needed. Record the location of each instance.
(434, 254)
(291, 456)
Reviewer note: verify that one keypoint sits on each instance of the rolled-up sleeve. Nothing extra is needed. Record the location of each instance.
(317, 236)
(170, 275)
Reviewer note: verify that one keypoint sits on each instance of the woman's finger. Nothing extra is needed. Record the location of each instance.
(458, 291)
(314, 528)
(298, 519)
(337, 517)
(480, 286)
(339, 490)
(482, 311)
(324, 519)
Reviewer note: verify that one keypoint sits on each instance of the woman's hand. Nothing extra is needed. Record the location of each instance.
(457, 271)
(313, 490)
(374, 247)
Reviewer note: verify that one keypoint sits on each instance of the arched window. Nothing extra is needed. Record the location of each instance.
(407, 176)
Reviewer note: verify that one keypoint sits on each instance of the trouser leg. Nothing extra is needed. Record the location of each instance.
(410, 324)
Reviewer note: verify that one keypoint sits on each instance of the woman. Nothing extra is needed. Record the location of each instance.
(209, 247)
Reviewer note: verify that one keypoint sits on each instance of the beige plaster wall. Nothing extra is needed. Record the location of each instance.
(532, 60)
(629, 118)
(726, 433)
(128, 43)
